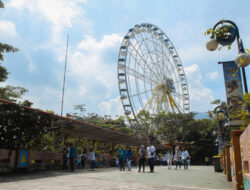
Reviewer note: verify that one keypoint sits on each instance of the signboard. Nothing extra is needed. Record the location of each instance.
(23, 158)
(233, 84)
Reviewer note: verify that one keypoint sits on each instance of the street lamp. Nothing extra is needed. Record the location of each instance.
(228, 34)
(221, 115)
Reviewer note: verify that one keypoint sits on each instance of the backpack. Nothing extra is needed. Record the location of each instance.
(143, 153)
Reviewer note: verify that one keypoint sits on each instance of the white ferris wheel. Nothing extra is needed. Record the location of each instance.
(150, 73)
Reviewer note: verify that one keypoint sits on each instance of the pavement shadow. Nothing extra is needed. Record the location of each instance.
(11, 177)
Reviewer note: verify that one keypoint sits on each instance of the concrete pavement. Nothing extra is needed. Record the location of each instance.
(197, 177)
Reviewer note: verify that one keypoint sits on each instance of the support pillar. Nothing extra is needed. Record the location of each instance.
(224, 161)
(238, 181)
(228, 163)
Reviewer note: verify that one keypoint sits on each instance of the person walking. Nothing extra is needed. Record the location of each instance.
(142, 158)
(129, 157)
(158, 160)
(67, 156)
(84, 158)
(72, 156)
(185, 157)
(91, 159)
(151, 156)
(122, 156)
(169, 159)
(177, 157)
(117, 161)
(164, 159)
(79, 159)
(65, 151)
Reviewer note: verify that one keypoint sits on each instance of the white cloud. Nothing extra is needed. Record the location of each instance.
(200, 96)
(59, 13)
(111, 107)
(212, 75)
(90, 67)
(7, 29)
(31, 66)
(41, 97)
(108, 41)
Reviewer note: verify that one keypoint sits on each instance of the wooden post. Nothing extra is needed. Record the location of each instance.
(228, 161)
(224, 161)
(238, 182)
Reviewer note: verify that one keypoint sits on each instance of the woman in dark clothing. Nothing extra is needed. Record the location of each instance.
(129, 157)
(84, 158)
(142, 158)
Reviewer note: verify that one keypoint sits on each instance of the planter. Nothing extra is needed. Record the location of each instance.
(227, 37)
(216, 163)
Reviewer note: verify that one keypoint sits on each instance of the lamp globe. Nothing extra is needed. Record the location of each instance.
(212, 44)
(242, 59)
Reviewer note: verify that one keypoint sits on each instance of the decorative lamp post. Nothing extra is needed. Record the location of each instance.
(226, 35)
(222, 116)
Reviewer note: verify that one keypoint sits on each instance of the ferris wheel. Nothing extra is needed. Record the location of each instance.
(150, 73)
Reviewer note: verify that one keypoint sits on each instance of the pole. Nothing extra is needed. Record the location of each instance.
(64, 76)
(244, 79)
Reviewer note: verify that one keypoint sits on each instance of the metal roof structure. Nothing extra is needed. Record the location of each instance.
(87, 130)
(93, 132)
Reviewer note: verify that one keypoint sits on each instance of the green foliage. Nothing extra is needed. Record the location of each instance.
(145, 126)
(244, 114)
(11, 93)
(26, 128)
(219, 104)
(3, 74)
(178, 128)
(1, 4)
(220, 32)
(6, 48)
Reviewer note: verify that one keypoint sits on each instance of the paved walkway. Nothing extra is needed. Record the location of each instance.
(197, 177)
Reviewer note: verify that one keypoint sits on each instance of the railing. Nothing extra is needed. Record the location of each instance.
(236, 159)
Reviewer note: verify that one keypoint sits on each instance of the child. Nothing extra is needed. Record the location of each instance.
(78, 162)
(117, 162)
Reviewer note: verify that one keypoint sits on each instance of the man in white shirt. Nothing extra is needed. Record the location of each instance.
(184, 157)
(151, 156)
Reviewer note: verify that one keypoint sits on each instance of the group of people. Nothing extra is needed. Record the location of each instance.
(165, 159)
(181, 157)
(126, 156)
(70, 155)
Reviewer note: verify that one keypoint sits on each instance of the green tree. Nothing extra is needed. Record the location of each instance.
(173, 126)
(1, 4)
(178, 128)
(8, 92)
(11, 93)
(26, 128)
(145, 126)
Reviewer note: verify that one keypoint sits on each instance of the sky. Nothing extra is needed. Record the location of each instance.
(39, 28)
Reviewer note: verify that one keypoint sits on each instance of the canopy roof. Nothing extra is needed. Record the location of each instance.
(88, 131)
